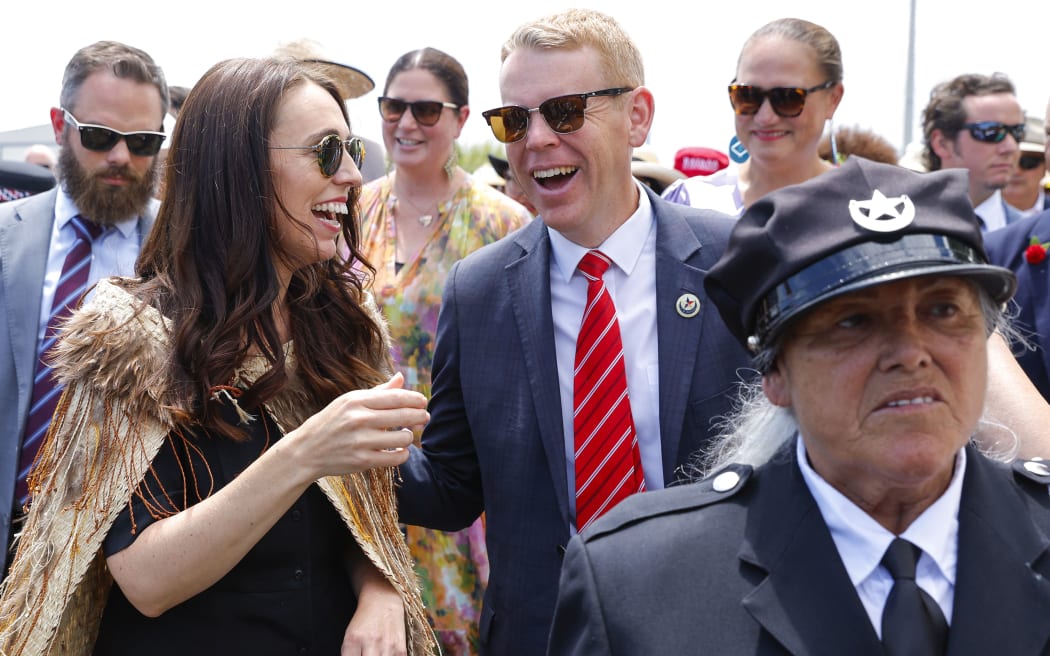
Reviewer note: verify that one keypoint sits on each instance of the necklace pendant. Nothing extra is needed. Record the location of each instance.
(425, 220)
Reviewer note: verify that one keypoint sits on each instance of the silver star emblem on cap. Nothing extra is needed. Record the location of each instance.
(869, 214)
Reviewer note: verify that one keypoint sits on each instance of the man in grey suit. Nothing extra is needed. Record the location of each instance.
(504, 426)
(109, 129)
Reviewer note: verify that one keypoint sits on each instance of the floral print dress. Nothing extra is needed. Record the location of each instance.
(453, 567)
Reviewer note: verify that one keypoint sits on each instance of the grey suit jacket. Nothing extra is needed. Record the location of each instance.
(25, 236)
(755, 571)
(495, 441)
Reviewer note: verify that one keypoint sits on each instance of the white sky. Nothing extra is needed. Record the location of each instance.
(689, 58)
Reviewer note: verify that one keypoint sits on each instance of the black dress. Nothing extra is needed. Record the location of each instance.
(289, 595)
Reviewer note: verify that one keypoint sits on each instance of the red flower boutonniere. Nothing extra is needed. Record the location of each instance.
(1036, 252)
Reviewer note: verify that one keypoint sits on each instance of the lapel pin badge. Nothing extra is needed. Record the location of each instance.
(688, 306)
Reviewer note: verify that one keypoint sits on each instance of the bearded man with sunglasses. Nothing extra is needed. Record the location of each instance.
(519, 428)
(55, 245)
(974, 122)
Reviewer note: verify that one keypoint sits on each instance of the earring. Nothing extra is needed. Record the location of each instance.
(450, 163)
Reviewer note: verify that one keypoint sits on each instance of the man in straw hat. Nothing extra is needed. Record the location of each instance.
(846, 511)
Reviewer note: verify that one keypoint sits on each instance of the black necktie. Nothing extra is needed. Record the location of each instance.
(912, 622)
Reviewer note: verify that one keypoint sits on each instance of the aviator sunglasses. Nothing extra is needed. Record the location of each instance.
(426, 112)
(994, 131)
(330, 152)
(563, 114)
(101, 139)
(787, 102)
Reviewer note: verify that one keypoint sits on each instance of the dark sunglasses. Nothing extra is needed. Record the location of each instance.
(787, 102)
(1030, 162)
(330, 152)
(994, 131)
(563, 114)
(101, 139)
(426, 112)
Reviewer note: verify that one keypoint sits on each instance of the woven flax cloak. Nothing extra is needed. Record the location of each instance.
(109, 425)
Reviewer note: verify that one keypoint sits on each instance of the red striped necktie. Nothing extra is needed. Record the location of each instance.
(608, 462)
(46, 391)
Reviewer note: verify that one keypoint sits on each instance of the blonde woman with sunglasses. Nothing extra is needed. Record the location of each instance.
(218, 478)
(787, 86)
(418, 221)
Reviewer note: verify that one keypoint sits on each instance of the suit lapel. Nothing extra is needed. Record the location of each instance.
(1035, 279)
(806, 600)
(1001, 601)
(679, 337)
(530, 296)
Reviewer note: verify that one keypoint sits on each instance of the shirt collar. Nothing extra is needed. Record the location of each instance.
(623, 247)
(862, 541)
(66, 209)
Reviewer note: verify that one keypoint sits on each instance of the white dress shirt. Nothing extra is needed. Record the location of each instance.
(992, 211)
(631, 281)
(113, 253)
(862, 542)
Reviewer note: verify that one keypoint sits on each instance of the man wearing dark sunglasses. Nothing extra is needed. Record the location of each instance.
(974, 122)
(58, 243)
(519, 429)
(1026, 191)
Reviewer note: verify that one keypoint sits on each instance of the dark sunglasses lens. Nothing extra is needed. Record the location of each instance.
(564, 114)
(356, 148)
(787, 102)
(1018, 132)
(1030, 162)
(508, 124)
(391, 109)
(329, 155)
(988, 132)
(144, 145)
(426, 112)
(98, 139)
(745, 98)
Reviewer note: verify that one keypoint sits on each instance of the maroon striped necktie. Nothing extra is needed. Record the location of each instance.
(46, 391)
(608, 462)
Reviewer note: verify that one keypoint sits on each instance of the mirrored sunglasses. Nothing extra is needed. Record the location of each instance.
(330, 152)
(787, 102)
(426, 112)
(101, 139)
(564, 114)
(994, 131)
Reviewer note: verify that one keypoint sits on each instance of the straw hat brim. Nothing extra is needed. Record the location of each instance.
(351, 82)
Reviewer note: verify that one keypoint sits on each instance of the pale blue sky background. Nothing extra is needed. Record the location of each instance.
(689, 57)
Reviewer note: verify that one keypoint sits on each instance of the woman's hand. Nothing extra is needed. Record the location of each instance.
(378, 625)
(359, 430)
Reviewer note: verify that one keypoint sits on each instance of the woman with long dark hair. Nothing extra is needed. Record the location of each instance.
(223, 450)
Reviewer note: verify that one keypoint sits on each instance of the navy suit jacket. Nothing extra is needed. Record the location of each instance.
(25, 237)
(1006, 247)
(495, 441)
(754, 571)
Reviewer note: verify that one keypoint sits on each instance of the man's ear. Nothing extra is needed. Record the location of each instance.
(641, 115)
(941, 144)
(58, 124)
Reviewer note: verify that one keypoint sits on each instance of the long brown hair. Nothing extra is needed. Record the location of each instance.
(208, 264)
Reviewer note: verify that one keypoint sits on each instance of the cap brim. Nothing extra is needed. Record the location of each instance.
(829, 279)
(351, 82)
